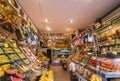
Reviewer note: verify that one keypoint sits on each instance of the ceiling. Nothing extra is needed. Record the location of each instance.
(60, 12)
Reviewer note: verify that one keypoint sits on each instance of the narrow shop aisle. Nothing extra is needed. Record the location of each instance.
(60, 74)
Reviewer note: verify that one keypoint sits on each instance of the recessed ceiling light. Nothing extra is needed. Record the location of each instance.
(46, 20)
(48, 28)
(56, 37)
(71, 21)
(50, 37)
(67, 29)
(61, 37)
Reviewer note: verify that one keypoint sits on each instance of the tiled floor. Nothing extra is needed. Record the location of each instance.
(60, 74)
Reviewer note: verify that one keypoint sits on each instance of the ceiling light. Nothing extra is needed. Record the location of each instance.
(56, 37)
(48, 28)
(46, 20)
(71, 21)
(50, 37)
(67, 29)
(61, 37)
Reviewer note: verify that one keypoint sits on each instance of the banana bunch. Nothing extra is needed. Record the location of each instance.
(43, 58)
(47, 75)
(95, 78)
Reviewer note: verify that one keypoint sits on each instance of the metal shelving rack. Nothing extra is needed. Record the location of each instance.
(107, 75)
(86, 66)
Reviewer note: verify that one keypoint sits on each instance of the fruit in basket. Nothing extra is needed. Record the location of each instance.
(25, 68)
(22, 55)
(43, 78)
(50, 72)
(109, 67)
(11, 71)
(6, 66)
(20, 75)
(107, 70)
(49, 79)
(89, 73)
(85, 74)
(95, 78)
(15, 79)
(1, 51)
(102, 68)
(14, 45)
(108, 62)
(14, 57)
(3, 59)
(103, 64)
(27, 61)
(116, 69)
(8, 50)
(92, 62)
(6, 45)
(17, 49)
(2, 73)
(1, 69)
(81, 70)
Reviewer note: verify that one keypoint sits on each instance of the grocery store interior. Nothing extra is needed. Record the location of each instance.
(59, 40)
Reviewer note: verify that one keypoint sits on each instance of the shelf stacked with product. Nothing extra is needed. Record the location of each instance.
(12, 63)
(97, 52)
(12, 56)
(60, 55)
(109, 41)
(29, 54)
(9, 56)
(104, 65)
(109, 44)
(84, 56)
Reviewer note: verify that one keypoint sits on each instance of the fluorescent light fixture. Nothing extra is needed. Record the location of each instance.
(46, 20)
(48, 28)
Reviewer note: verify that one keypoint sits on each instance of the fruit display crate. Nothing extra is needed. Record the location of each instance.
(105, 75)
(28, 53)
(14, 54)
(20, 54)
(86, 66)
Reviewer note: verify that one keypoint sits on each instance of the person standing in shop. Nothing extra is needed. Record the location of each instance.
(72, 67)
(72, 72)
